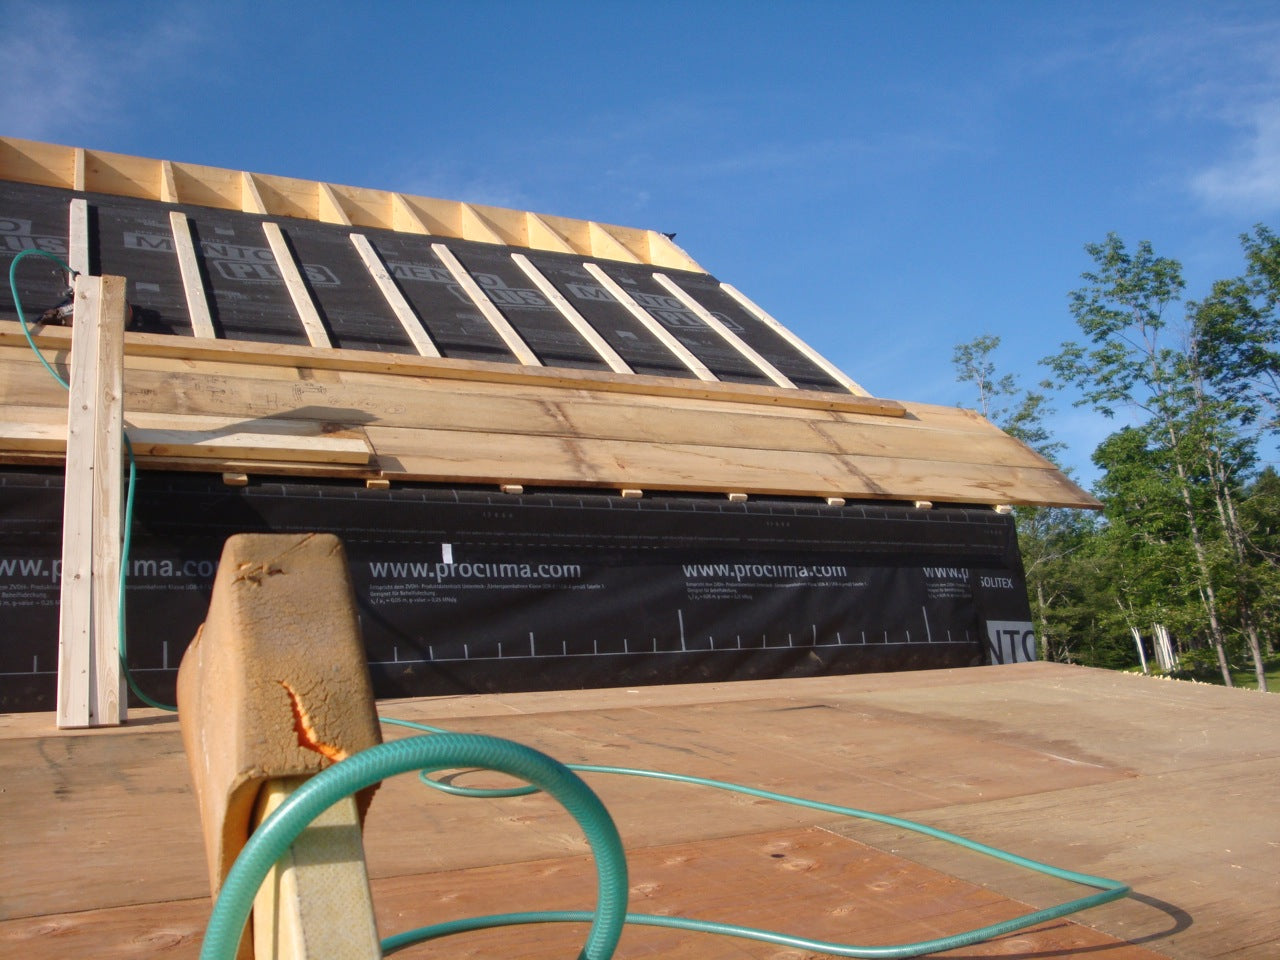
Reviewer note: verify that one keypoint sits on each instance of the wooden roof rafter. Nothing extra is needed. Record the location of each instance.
(98, 171)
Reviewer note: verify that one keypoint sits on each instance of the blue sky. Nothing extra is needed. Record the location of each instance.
(888, 179)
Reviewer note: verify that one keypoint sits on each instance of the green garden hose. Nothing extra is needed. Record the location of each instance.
(270, 841)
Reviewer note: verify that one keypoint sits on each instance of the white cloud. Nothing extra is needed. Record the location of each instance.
(1248, 179)
(48, 89)
(68, 77)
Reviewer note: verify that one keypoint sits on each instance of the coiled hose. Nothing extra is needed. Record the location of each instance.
(452, 751)
(270, 841)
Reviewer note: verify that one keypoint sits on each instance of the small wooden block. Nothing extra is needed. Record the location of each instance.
(835, 501)
(377, 483)
(1003, 509)
(631, 493)
(512, 488)
(275, 683)
(737, 497)
(235, 479)
(924, 504)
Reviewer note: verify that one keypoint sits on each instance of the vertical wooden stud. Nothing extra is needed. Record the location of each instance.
(89, 678)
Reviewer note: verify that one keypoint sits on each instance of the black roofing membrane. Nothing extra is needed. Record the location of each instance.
(248, 299)
(471, 591)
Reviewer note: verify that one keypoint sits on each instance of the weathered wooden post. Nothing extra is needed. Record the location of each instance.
(273, 689)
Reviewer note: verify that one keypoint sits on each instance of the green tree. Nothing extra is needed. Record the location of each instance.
(1046, 536)
(1132, 360)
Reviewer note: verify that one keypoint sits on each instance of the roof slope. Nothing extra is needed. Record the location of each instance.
(281, 325)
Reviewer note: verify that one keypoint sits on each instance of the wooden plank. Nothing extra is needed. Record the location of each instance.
(463, 457)
(938, 434)
(75, 618)
(192, 281)
(170, 435)
(78, 237)
(251, 406)
(298, 292)
(735, 341)
(330, 207)
(89, 679)
(29, 161)
(404, 312)
(315, 902)
(515, 343)
(678, 349)
(570, 313)
(108, 700)
(543, 236)
(189, 351)
(250, 198)
(822, 362)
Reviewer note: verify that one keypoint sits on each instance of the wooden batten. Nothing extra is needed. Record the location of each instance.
(404, 312)
(515, 343)
(192, 281)
(827, 367)
(731, 338)
(660, 333)
(298, 292)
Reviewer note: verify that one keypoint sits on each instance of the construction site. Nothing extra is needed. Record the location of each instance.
(290, 467)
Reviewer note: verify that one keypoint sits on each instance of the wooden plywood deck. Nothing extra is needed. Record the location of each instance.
(1164, 785)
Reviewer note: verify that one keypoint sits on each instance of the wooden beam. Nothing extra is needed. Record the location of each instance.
(664, 336)
(607, 246)
(89, 678)
(284, 360)
(298, 292)
(330, 207)
(192, 281)
(168, 184)
(515, 343)
(78, 237)
(543, 236)
(315, 903)
(250, 197)
(570, 313)
(735, 341)
(27, 161)
(403, 311)
(820, 361)
(274, 684)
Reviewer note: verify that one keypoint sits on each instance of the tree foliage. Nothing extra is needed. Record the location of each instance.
(1189, 537)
